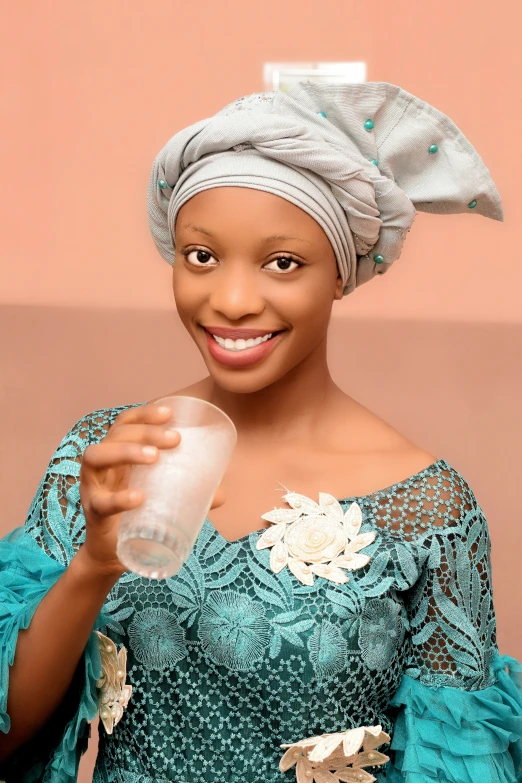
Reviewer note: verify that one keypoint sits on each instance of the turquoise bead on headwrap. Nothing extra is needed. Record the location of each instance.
(312, 146)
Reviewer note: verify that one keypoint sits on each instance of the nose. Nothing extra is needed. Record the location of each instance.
(236, 293)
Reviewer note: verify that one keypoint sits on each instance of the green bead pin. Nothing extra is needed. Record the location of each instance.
(473, 203)
(433, 149)
(163, 184)
(369, 125)
(378, 258)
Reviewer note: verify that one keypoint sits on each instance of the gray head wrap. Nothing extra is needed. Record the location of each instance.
(361, 159)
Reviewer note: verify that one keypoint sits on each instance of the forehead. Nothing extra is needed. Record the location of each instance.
(220, 209)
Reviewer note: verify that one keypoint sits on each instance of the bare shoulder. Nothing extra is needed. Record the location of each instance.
(389, 455)
(398, 462)
(407, 455)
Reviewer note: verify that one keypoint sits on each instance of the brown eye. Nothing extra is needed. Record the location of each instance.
(199, 257)
(284, 264)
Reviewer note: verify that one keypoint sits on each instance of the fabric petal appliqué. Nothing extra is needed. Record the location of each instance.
(272, 535)
(315, 538)
(279, 557)
(332, 572)
(337, 757)
(301, 571)
(113, 693)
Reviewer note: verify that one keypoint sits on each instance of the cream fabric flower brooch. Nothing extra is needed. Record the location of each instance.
(321, 760)
(313, 538)
(113, 693)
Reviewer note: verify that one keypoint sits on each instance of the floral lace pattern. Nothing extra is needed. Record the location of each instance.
(234, 630)
(157, 639)
(228, 649)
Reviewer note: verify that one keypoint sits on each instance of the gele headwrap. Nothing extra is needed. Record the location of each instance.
(361, 159)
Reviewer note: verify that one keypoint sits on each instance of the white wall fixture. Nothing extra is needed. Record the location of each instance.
(283, 76)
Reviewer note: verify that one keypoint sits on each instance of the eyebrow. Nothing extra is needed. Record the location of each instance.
(264, 241)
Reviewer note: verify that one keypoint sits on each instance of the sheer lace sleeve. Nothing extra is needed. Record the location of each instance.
(32, 559)
(55, 519)
(451, 606)
(460, 713)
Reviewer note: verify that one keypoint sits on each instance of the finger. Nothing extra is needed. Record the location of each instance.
(159, 435)
(106, 504)
(154, 434)
(109, 453)
(149, 413)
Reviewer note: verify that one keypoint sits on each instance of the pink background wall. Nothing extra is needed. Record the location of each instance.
(93, 92)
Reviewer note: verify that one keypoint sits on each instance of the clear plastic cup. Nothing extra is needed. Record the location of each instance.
(155, 539)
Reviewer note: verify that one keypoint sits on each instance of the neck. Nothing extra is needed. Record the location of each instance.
(291, 409)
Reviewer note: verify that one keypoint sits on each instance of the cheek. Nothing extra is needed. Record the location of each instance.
(185, 299)
(307, 306)
(187, 294)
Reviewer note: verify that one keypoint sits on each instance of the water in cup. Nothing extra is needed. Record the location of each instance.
(156, 538)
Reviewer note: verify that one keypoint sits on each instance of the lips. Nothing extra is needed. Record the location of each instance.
(245, 357)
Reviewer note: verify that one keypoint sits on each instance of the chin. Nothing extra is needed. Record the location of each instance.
(243, 382)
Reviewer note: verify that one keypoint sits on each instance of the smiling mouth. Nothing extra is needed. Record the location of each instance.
(239, 338)
(237, 345)
(242, 352)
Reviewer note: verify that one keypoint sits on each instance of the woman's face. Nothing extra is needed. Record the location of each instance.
(249, 264)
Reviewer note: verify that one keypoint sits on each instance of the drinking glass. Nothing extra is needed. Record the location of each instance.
(155, 539)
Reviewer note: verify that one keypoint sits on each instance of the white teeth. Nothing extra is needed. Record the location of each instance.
(240, 345)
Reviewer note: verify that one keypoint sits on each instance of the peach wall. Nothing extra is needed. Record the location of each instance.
(93, 92)
(95, 89)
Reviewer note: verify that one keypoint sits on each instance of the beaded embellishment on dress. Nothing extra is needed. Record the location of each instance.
(321, 760)
(309, 538)
(113, 693)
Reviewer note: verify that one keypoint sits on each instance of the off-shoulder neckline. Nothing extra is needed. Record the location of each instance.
(348, 499)
(442, 463)
(420, 474)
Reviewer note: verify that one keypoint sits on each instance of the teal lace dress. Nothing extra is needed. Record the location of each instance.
(229, 659)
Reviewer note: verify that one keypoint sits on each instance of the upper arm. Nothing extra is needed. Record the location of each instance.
(451, 607)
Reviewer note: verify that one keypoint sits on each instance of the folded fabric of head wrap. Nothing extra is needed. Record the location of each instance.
(361, 159)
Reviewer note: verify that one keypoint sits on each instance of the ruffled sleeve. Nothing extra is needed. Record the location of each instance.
(446, 734)
(459, 702)
(32, 559)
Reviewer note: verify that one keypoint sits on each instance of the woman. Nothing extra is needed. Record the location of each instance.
(341, 631)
